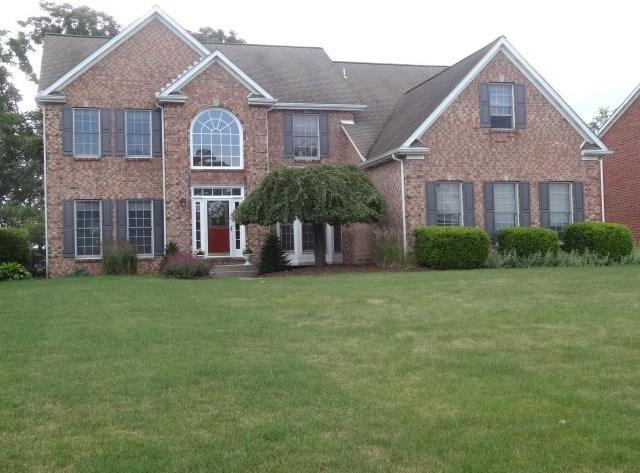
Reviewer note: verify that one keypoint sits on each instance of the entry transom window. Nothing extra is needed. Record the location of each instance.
(217, 191)
(449, 203)
(88, 229)
(86, 132)
(306, 135)
(560, 214)
(216, 140)
(501, 105)
(138, 132)
(140, 226)
(505, 201)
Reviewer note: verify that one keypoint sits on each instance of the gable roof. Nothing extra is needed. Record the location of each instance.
(626, 103)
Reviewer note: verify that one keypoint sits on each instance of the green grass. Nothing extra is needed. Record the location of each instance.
(483, 371)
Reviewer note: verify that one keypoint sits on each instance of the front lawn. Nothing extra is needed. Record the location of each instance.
(480, 371)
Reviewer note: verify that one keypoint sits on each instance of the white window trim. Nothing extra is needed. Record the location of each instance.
(75, 230)
(126, 135)
(461, 224)
(73, 134)
(305, 158)
(216, 168)
(513, 106)
(142, 255)
(300, 257)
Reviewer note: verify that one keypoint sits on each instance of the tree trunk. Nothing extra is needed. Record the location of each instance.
(319, 244)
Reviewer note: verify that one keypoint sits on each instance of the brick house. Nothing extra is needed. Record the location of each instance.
(622, 169)
(153, 137)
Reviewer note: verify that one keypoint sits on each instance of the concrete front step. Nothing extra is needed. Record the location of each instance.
(234, 270)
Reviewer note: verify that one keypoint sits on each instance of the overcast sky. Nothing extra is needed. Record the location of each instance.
(586, 50)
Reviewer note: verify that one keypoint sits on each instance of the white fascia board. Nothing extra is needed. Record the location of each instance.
(343, 125)
(54, 98)
(118, 39)
(218, 57)
(620, 110)
(503, 45)
(415, 151)
(344, 107)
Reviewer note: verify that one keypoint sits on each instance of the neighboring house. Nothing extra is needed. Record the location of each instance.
(622, 169)
(153, 137)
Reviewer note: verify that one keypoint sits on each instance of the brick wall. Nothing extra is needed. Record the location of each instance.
(622, 170)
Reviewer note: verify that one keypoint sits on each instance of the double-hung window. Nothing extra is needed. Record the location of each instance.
(88, 231)
(306, 135)
(286, 237)
(86, 132)
(449, 203)
(307, 237)
(140, 225)
(138, 133)
(501, 105)
(505, 204)
(560, 205)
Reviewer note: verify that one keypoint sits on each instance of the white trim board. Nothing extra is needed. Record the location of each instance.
(126, 33)
(626, 103)
(504, 46)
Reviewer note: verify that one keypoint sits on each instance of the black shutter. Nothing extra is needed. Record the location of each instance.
(120, 131)
(520, 106)
(485, 116)
(68, 245)
(489, 210)
(543, 196)
(288, 134)
(121, 220)
(431, 204)
(468, 204)
(158, 227)
(105, 131)
(525, 205)
(107, 221)
(578, 202)
(67, 131)
(156, 132)
(324, 135)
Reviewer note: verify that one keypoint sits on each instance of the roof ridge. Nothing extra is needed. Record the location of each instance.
(263, 45)
(390, 64)
(78, 35)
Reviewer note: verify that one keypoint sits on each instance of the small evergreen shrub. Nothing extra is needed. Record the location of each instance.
(511, 259)
(272, 257)
(14, 246)
(605, 239)
(451, 247)
(185, 266)
(13, 271)
(171, 248)
(119, 258)
(80, 272)
(388, 251)
(527, 241)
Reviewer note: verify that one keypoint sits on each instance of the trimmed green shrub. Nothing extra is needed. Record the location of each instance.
(13, 271)
(606, 239)
(171, 248)
(14, 246)
(119, 258)
(388, 251)
(451, 247)
(527, 241)
(272, 258)
(185, 266)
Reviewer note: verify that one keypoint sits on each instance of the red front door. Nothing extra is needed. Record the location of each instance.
(218, 222)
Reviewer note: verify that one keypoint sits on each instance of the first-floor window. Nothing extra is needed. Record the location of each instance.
(307, 237)
(286, 236)
(449, 203)
(560, 214)
(88, 230)
(140, 226)
(337, 239)
(505, 202)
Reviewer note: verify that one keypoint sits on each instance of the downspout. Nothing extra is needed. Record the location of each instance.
(44, 183)
(404, 213)
(602, 189)
(164, 183)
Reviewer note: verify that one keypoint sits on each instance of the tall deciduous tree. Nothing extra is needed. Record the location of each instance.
(206, 34)
(318, 195)
(601, 117)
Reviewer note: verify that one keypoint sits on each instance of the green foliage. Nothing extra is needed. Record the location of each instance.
(80, 272)
(185, 266)
(451, 247)
(13, 271)
(272, 258)
(526, 241)
(388, 251)
(14, 246)
(119, 258)
(206, 34)
(510, 259)
(606, 239)
(600, 118)
(171, 248)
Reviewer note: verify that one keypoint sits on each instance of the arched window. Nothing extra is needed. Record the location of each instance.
(216, 140)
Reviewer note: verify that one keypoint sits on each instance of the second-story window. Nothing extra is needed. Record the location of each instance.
(306, 135)
(138, 133)
(86, 132)
(216, 140)
(501, 105)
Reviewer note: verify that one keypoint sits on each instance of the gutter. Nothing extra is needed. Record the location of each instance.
(388, 156)
(404, 213)
(602, 190)
(164, 185)
(44, 183)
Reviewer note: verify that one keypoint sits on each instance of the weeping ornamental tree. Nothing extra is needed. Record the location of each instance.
(318, 195)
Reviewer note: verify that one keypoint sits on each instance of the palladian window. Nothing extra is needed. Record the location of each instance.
(216, 140)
